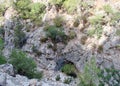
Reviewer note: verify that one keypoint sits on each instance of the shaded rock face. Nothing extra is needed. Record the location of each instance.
(51, 61)
(43, 55)
(9, 33)
(78, 56)
(74, 52)
(8, 37)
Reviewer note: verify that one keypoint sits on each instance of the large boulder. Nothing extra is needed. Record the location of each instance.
(7, 68)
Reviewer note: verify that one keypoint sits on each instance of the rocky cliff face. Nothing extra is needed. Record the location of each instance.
(77, 51)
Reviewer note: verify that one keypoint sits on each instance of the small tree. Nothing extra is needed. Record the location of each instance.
(24, 65)
(2, 58)
(70, 5)
(19, 36)
(90, 75)
(56, 34)
(29, 10)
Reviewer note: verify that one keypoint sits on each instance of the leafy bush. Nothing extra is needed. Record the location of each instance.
(59, 2)
(84, 4)
(70, 5)
(96, 22)
(108, 9)
(83, 39)
(2, 59)
(96, 19)
(97, 31)
(89, 77)
(22, 6)
(72, 34)
(115, 17)
(37, 11)
(109, 76)
(2, 31)
(69, 69)
(56, 34)
(58, 21)
(4, 4)
(43, 39)
(91, 32)
(29, 10)
(24, 65)
(2, 9)
(94, 76)
(76, 23)
(68, 80)
(1, 44)
(36, 51)
(118, 32)
(100, 48)
(58, 78)
(19, 36)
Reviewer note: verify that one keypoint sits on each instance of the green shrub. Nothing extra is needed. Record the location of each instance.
(19, 36)
(84, 4)
(22, 6)
(58, 78)
(115, 17)
(1, 44)
(49, 46)
(2, 31)
(43, 39)
(96, 19)
(69, 69)
(37, 75)
(2, 59)
(37, 11)
(108, 9)
(91, 32)
(24, 65)
(4, 4)
(117, 46)
(58, 21)
(72, 34)
(118, 32)
(29, 10)
(70, 5)
(94, 76)
(2, 9)
(56, 34)
(100, 48)
(76, 23)
(109, 76)
(83, 39)
(36, 51)
(68, 80)
(97, 30)
(89, 77)
(59, 2)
